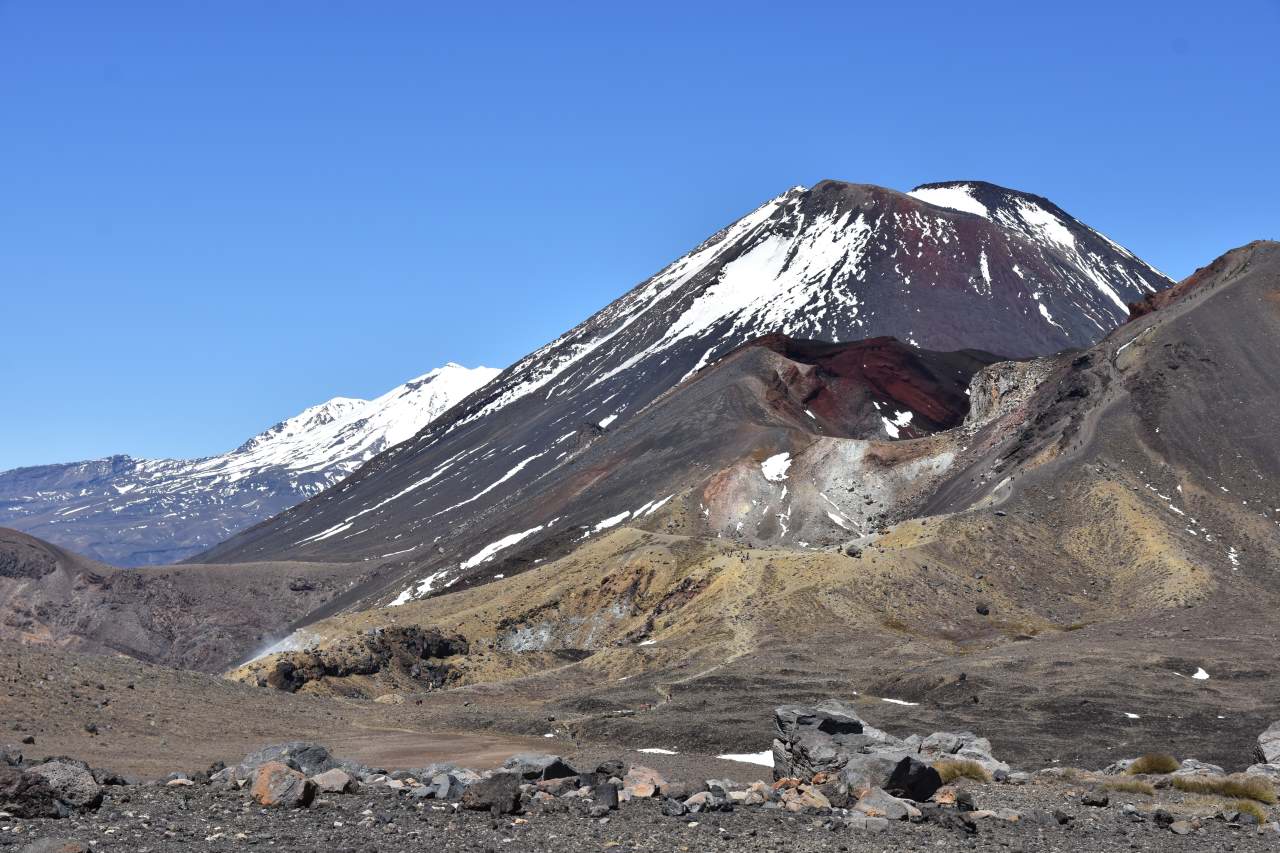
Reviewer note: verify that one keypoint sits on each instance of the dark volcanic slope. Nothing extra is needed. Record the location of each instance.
(198, 617)
(838, 262)
(1189, 388)
(1091, 575)
(712, 435)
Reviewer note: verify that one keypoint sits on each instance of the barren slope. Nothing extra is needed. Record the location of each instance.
(1054, 582)
(197, 617)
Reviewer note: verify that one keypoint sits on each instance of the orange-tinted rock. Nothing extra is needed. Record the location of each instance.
(278, 786)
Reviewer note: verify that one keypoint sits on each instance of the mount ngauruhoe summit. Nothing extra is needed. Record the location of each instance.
(134, 512)
(945, 268)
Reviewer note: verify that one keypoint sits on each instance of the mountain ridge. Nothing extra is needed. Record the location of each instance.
(838, 262)
(110, 508)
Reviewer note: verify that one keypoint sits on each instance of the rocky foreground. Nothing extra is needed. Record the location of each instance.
(837, 784)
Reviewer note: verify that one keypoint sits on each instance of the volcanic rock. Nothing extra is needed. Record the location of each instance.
(276, 785)
(643, 782)
(499, 794)
(28, 795)
(823, 738)
(804, 797)
(534, 766)
(674, 808)
(1268, 751)
(606, 794)
(878, 803)
(335, 781)
(914, 780)
(304, 756)
(411, 650)
(961, 745)
(72, 781)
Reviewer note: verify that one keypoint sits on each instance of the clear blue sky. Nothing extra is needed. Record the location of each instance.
(213, 214)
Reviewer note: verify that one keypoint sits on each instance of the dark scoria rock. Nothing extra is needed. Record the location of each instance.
(72, 781)
(499, 794)
(914, 780)
(27, 795)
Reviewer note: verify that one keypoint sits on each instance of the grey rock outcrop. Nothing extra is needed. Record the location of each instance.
(824, 738)
(1267, 754)
(1268, 751)
(878, 803)
(335, 781)
(1192, 767)
(72, 781)
(831, 738)
(534, 766)
(964, 746)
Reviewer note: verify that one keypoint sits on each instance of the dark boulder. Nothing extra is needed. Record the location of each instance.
(674, 808)
(27, 795)
(913, 780)
(499, 794)
(612, 768)
(535, 766)
(72, 781)
(606, 795)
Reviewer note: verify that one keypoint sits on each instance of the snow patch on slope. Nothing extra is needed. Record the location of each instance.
(954, 197)
(775, 467)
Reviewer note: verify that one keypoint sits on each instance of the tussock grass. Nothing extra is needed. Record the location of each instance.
(1237, 787)
(1130, 786)
(1249, 807)
(951, 769)
(1153, 762)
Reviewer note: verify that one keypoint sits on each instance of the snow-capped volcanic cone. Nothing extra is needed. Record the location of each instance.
(133, 512)
(986, 269)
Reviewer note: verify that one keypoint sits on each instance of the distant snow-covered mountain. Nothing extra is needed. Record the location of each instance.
(134, 512)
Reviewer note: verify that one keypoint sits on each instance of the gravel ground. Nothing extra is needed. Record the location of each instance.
(139, 819)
